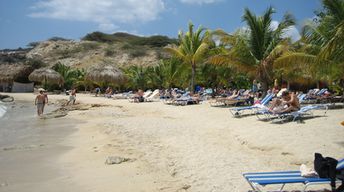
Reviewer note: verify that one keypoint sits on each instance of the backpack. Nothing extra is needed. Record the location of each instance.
(327, 168)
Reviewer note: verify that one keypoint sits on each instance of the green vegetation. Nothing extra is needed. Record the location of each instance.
(319, 53)
(36, 63)
(86, 46)
(72, 77)
(257, 52)
(58, 39)
(110, 51)
(99, 37)
(153, 41)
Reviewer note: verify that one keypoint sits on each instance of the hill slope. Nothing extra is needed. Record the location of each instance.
(119, 49)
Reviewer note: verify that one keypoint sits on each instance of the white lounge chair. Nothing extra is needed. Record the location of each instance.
(154, 96)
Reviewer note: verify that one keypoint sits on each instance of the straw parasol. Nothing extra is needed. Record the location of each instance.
(107, 74)
(46, 75)
(9, 72)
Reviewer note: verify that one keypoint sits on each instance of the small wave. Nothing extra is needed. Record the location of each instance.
(3, 110)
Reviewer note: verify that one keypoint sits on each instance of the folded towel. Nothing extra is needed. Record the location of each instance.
(307, 172)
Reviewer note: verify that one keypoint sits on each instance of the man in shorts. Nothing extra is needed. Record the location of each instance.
(72, 96)
(40, 101)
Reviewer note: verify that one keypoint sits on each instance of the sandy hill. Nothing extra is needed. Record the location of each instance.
(119, 49)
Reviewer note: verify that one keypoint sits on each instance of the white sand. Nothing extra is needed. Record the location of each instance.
(192, 148)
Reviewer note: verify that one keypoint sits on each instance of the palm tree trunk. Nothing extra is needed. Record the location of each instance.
(265, 87)
(193, 72)
(265, 71)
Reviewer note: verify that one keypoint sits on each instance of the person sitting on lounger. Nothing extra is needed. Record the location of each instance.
(288, 103)
(139, 96)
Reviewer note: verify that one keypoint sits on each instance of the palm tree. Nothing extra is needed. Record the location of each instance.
(137, 77)
(330, 24)
(322, 47)
(191, 49)
(173, 71)
(254, 50)
(70, 76)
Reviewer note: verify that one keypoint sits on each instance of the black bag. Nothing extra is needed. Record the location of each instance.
(326, 168)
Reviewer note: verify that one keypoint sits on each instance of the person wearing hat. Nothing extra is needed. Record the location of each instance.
(39, 102)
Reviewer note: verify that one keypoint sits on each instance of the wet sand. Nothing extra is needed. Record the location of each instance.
(190, 148)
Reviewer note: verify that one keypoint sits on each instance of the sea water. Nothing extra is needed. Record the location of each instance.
(29, 145)
(17, 122)
(3, 109)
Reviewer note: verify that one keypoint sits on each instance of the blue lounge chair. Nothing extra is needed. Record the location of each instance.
(262, 179)
(238, 111)
(282, 117)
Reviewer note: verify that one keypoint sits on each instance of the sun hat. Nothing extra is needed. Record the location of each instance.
(41, 89)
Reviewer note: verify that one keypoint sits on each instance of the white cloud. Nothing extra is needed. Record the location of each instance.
(107, 27)
(293, 33)
(200, 2)
(106, 13)
(274, 25)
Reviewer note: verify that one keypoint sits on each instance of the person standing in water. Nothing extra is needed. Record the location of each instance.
(45, 99)
(39, 102)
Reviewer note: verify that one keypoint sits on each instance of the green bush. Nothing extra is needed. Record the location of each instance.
(90, 46)
(154, 41)
(58, 39)
(99, 37)
(36, 63)
(126, 46)
(137, 52)
(109, 51)
(33, 44)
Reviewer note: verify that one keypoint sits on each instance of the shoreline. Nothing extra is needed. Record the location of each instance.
(29, 146)
(190, 148)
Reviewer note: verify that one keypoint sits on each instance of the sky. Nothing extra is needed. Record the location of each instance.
(25, 21)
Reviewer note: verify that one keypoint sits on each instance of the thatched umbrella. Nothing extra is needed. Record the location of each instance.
(108, 74)
(9, 72)
(46, 75)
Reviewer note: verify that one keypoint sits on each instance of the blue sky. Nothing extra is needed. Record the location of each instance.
(25, 21)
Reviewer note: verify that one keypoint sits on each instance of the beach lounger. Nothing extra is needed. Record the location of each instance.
(259, 180)
(292, 116)
(224, 101)
(145, 95)
(186, 100)
(238, 111)
(153, 96)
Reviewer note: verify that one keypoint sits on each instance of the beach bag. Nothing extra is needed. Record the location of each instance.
(326, 168)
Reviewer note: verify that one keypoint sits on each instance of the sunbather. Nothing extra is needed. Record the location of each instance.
(288, 103)
(139, 96)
